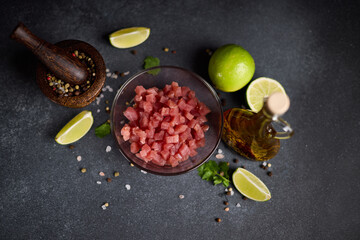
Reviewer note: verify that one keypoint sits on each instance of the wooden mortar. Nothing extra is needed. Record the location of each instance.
(57, 59)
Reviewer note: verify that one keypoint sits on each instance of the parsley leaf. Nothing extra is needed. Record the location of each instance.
(150, 62)
(103, 130)
(216, 173)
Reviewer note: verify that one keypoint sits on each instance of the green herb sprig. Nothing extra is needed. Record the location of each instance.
(150, 62)
(216, 173)
(103, 130)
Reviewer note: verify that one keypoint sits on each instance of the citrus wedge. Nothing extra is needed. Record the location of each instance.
(250, 186)
(129, 37)
(75, 129)
(260, 88)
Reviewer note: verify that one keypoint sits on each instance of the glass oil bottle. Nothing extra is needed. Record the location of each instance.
(252, 135)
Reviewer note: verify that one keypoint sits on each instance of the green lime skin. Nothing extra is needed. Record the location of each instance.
(231, 67)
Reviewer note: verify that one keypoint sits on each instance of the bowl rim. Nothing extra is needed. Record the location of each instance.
(204, 82)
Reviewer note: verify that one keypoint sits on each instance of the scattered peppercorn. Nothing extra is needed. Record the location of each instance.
(166, 49)
(269, 173)
(262, 166)
(181, 196)
(244, 198)
(102, 174)
(226, 203)
(71, 146)
(218, 219)
(242, 166)
(108, 179)
(236, 160)
(228, 193)
(116, 174)
(107, 109)
(122, 74)
(173, 51)
(106, 101)
(83, 170)
(134, 52)
(227, 209)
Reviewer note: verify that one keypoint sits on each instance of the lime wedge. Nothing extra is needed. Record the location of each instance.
(75, 129)
(260, 88)
(129, 37)
(250, 186)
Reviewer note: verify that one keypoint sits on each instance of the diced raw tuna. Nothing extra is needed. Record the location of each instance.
(165, 126)
(131, 114)
(172, 139)
(134, 147)
(125, 132)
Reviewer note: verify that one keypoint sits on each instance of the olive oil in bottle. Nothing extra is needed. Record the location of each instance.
(252, 134)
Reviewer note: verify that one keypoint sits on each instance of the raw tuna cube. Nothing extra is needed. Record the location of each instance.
(165, 125)
(134, 147)
(203, 109)
(178, 157)
(172, 139)
(175, 120)
(150, 132)
(167, 88)
(193, 153)
(165, 154)
(159, 136)
(174, 111)
(168, 146)
(150, 98)
(192, 123)
(152, 90)
(138, 98)
(201, 142)
(125, 132)
(165, 111)
(184, 91)
(163, 99)
(160, 162)
(177, 91)
(199, 133)
(140, 90)
(141, 134)
(145, 150)
(131, 114)
(191, 94)
(170, 130)
(173, 162)
(180, 128)
(171, 104)
(205, 127)
(189, 115)
(171, 94)
(148, 107)
(182, 119)
(184, 150)
(201, 119)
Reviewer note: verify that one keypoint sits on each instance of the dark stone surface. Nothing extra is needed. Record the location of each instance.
(311, 47)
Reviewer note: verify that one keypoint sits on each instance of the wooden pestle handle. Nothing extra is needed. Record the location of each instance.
(61, 63)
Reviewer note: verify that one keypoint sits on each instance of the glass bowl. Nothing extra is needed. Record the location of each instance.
(166, 75)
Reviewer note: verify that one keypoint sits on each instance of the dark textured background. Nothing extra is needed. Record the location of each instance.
(311, 47)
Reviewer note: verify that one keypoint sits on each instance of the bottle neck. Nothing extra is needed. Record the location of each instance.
(263, 119)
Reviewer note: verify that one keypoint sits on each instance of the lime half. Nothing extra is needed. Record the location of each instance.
(250, 186)
(129, 37)
(260, 88)
(75, 129)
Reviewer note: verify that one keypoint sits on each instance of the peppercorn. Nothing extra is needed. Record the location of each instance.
(227, 209)
(244, 198)
(134, 52)
(236, 160)
(228, 193)
(173, 51)
(226, 203)
(218, 219)
(122, 74)
(116, 174)
(269, 173)
(83, 170)
(242, 166)
(108, 179)
(71, 146)
(166, 49)
(107, 102)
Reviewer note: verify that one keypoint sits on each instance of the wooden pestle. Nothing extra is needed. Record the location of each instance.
(56, 59)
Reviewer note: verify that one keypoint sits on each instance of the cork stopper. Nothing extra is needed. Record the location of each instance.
(278, 103)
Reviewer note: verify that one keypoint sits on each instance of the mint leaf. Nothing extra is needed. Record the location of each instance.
(150, 62)
(103, 130)
(216, 173)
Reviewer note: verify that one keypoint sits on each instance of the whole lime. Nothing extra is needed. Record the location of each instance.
(231, 67)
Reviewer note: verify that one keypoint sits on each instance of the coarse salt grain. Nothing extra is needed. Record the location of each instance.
(232, 193)
(103, 207)
(220, 151)
(98, 110)
(103, 89)
(126, 73)
(98, 182)
(108, 74)
(238, 205)
(219, 156)
(128, 187)
(79, 158)
(181, 196)
(226, 190)
(264, 163)
(107, 70)
(108, 149)
(102, 174)
(144, 172)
